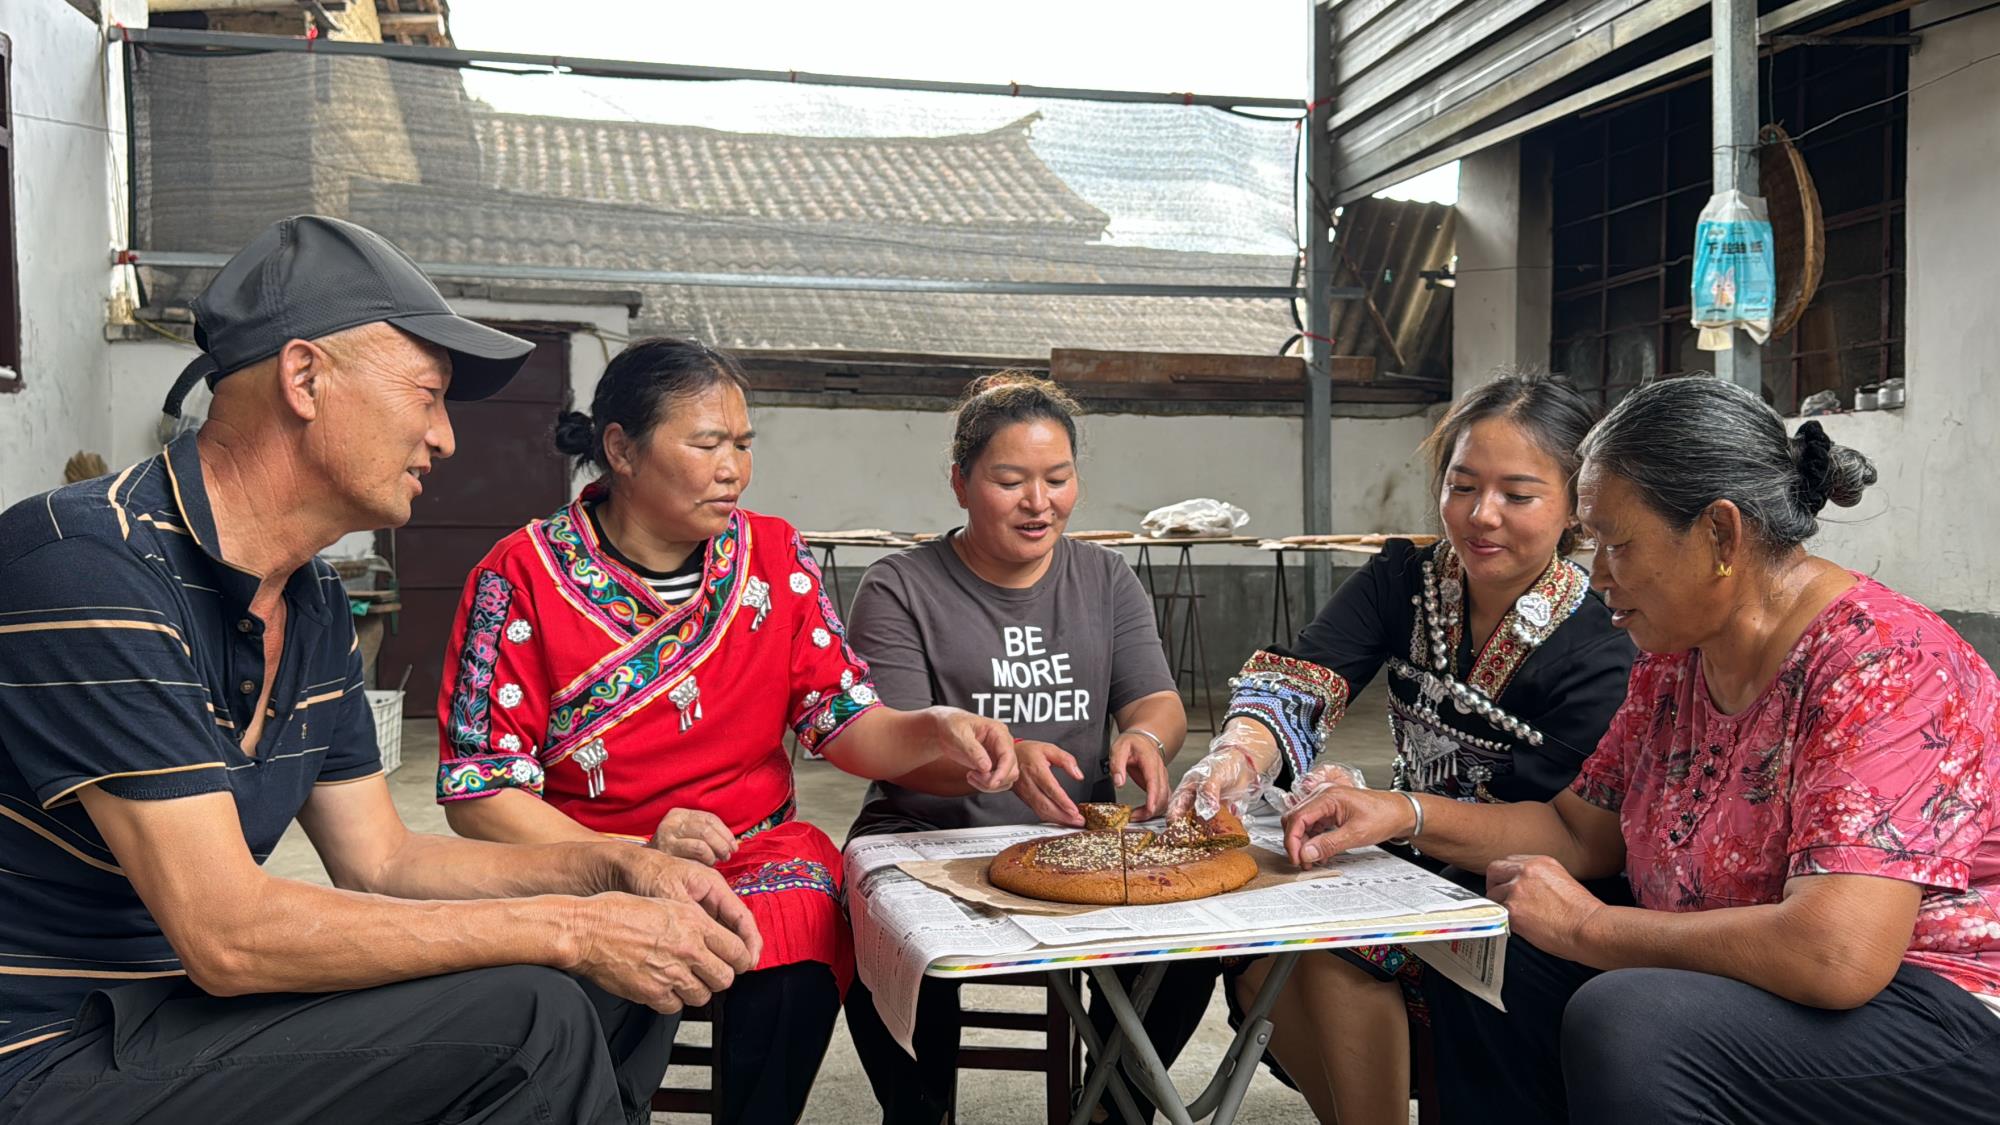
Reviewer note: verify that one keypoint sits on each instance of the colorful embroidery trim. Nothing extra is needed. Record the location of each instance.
(469, 707)
(1533, 619)
(463, 778)
(827, 610)
(563, 539)
(785, 875)
(818, 725)
(656, 659)
(784, 815)
(1300, 701)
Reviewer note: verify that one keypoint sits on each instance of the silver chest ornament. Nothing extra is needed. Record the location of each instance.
(757, 595)
(1429, 758)
(687, 696)
(590, 759)
(1533, 612)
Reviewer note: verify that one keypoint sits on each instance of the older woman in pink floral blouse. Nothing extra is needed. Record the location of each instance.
(1799, 788)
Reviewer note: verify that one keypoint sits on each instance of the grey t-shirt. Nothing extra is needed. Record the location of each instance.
(1054, 661)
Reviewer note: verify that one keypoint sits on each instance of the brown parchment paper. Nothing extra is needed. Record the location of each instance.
(966, 879)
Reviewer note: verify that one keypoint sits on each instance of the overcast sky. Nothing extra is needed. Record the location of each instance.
(1253, 48)
(1248, 47)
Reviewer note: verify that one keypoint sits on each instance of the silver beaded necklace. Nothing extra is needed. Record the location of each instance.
(1442, 606)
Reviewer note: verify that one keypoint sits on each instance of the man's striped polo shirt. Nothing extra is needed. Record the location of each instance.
(129, 659)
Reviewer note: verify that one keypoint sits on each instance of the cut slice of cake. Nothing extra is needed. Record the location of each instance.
(1105, 817)
(1223, 830)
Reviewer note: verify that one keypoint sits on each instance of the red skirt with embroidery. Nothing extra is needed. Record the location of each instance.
(789, 877)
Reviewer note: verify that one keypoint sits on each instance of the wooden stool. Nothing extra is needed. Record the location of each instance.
(1060, 1058)
(695, 1099)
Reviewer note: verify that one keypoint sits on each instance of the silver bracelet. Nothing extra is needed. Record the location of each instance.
(1416, 829)
(1154, 738)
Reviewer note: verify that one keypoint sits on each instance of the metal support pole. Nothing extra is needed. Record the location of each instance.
(1144, 1063)
(1101, 1054)
(1733, 90)
(1317, 445)
(591, 275)
(626, 68)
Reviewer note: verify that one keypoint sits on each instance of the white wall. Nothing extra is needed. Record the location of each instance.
(1929, 528)
(845, 468)
(828, 469)
(62, 221)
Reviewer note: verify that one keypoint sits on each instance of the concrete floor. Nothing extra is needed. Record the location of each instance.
(827, 797)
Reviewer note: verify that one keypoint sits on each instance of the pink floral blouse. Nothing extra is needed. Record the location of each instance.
(1872, 753)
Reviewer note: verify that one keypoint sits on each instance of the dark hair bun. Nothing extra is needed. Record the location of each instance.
(576, 434)
(1827, 471)
(993, 402)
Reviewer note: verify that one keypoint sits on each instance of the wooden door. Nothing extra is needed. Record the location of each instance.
(505, 472)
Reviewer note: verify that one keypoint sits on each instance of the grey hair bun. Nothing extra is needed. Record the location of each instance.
(1829, 471)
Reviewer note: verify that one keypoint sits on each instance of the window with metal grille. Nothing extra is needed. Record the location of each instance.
(1629, 183)
(10, 282)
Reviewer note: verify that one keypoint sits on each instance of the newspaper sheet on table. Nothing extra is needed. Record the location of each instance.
(902, 926)
(1477, 965)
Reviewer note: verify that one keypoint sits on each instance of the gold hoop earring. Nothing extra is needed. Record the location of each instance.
(1723, 570)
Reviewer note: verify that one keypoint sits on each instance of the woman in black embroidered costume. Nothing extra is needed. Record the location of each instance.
(1503, 672)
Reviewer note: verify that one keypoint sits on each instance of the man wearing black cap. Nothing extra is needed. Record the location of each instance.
(179, 681)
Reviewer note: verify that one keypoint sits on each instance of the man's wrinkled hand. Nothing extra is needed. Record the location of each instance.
(653, 874)
(664, 953)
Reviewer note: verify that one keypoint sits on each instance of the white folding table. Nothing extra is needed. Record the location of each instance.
(1128, 1053)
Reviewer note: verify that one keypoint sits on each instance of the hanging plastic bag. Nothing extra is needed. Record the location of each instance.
(1735, 270)
(1195, 517)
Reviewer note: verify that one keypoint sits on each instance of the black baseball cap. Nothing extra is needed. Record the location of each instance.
(311, 276)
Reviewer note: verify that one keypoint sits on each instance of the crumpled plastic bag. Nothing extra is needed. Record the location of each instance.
(1195, 517)
(1735, 270)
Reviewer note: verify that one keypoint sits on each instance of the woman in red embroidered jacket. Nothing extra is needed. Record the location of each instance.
(1502, 673)
(629, 667)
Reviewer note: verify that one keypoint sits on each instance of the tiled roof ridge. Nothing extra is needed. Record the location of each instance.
(1021, 127)
(989, 179)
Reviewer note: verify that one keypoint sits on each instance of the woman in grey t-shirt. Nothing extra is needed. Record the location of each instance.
(1054, 637)
(1008, 619)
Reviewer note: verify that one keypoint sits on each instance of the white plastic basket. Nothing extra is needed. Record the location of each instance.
(388, 708)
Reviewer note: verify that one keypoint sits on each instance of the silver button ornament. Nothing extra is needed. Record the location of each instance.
(686, 695)
(590, 759)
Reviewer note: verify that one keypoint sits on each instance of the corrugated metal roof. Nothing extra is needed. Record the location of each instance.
(1384, 246)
